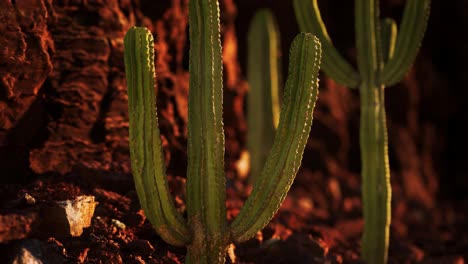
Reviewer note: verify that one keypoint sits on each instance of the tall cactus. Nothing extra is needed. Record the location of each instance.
(206, 233)
(382, 59)
(264, 77)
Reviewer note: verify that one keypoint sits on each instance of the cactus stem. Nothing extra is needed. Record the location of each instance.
(376, 189)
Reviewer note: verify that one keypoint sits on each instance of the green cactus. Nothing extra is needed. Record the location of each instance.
(264, 77)
(382, 58)
(206, 233)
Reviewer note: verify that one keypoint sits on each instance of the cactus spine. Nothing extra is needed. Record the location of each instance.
(206, 233)
(383, 58)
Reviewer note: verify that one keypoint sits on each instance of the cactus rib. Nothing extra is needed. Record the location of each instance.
(145, 144)
(205, 174)
(310, 20)
(300, 95)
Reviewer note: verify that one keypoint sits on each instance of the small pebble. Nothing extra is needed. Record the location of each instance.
(118, 224)
(29, 199)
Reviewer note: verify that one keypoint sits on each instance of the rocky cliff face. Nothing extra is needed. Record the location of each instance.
(63, 74)
(63, 94)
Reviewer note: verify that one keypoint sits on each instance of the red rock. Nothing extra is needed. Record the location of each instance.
(68, 218)
(17, 226)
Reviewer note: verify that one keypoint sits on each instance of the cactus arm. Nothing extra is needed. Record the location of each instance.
(388, 38)
(263, 100)
(145, 143)
(205, 174)
(411, 33)
(310, 20)
(300, 95)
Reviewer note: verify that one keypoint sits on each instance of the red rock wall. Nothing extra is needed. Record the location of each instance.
(63, 95)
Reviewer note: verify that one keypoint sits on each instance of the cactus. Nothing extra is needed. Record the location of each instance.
(382, 59)
(264, 78)
(206, 233)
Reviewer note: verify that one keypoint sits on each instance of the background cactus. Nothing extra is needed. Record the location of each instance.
(382, 58)
(207, 233)
(264, 77)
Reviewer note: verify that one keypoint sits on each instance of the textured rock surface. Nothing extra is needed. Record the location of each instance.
(25, 64)
(78, 102)
(33, 251)
(29, 253)
(17, 226)
(24, 57)
(85, 82)
(68, 218)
